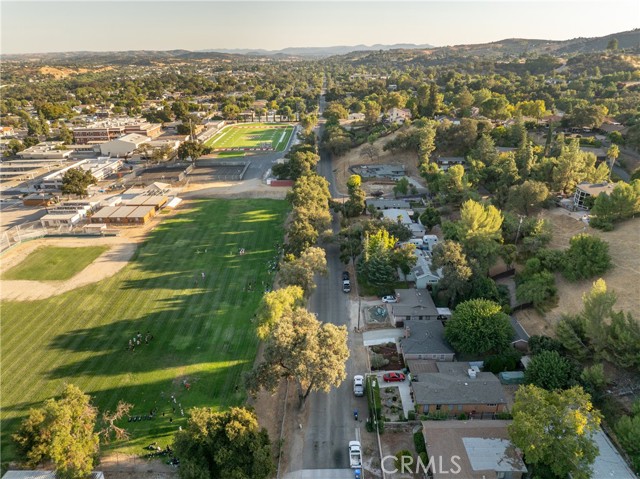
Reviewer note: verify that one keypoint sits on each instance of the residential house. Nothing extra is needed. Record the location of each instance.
(423, 274)
(585, 190)
(385, 204)
(413, 304)
(599, 153)
(398, 115)
(446, 162)
(398, 216)
(458, 388)
(7, 131)
(425, 340)
(391, 172)
(520, 338)
(609, 462)
(482, 448)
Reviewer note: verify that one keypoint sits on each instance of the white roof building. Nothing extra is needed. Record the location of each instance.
(125, 145)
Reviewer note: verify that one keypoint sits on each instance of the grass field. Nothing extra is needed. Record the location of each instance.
(252, 136)
(202, 333)
(52, 263)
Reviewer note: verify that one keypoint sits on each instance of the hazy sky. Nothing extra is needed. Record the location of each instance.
(46, 26)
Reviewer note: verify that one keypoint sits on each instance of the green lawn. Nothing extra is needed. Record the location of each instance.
(202, 334)
(50, 263)
(252, 136)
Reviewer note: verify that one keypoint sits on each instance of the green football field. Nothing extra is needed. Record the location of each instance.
(203, 337)
(252, 137)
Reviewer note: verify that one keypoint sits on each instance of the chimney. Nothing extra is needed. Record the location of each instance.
(407, 332)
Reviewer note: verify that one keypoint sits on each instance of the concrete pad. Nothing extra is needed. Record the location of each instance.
(382, 336)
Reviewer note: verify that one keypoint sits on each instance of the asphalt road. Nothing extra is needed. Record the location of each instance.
(331, 423)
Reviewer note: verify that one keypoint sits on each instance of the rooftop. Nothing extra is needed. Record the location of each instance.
(424, 337)
(483, 447)
(411, 301)
(594, 189)
(452, 385)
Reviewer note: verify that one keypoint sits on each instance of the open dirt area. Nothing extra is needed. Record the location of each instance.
(254, 188)
(623, 278)
(353, 157)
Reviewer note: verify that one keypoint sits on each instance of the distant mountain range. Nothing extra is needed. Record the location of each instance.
(629, 40)
(318, 51)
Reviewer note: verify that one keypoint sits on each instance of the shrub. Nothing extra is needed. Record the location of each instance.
(418, 442)
(463, 417)
(504, 415)
(506, 361)
(399, 456)
(378, 361)
(412, 416)
(587, 256)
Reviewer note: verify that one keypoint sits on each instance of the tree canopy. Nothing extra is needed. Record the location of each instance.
(305, 350)
(63, 432)
(553, 429)
(479, 326)
(223, 445)
(76, 181)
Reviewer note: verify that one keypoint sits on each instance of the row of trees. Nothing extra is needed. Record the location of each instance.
(298, 346)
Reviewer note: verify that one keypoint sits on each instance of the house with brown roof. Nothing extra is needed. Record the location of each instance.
(472, 450)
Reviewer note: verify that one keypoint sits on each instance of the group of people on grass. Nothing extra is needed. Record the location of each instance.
(137, 340)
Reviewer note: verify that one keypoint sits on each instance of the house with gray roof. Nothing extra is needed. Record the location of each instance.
(413, 304)
(423, 274)
(520, 338)
(392, 172)
(458, 388)
(446, 162)
(425, 340)
(385, 204)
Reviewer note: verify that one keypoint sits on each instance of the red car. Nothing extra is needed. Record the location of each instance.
(393, 377)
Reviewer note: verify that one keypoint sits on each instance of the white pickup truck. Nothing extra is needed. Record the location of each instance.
(355, 454)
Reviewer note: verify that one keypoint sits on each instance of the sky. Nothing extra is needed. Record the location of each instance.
(54, 26)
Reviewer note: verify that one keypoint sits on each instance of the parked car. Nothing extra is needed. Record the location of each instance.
(389, 299)
(358, 385)
(393, 377)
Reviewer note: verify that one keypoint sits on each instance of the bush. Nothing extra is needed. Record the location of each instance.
(504, 415)
(378, 361)
(412, 416)
(507, 361)
(463, 417)
(399, 456)
(587, 256)
(418, 442)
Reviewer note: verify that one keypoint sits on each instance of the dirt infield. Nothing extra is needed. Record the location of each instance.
(120, 250)
(623, 278)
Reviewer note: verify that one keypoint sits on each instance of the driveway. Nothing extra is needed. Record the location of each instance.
(382, 336)
(403, 387)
